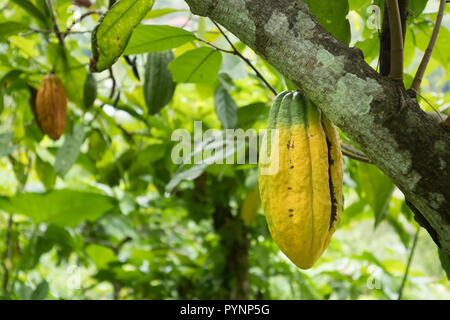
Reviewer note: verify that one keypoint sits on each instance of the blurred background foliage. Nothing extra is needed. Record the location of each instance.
(104, 213)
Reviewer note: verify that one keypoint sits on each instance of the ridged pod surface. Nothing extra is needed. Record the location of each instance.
(302, 200)
(51, 105)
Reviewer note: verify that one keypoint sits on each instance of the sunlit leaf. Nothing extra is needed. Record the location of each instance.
(154, 38)
(67, 155)
(198, 65)
(111, 35)
(61, 207)
(226, 108)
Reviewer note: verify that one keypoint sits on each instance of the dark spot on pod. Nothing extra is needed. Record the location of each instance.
(291, 215)
(289, 188)
(291, 210)
(292, 167)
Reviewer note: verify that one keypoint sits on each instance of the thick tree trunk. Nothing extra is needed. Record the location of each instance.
(409, 145)
(234, 240)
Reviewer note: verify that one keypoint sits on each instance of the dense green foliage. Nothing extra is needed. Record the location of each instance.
(105, 213)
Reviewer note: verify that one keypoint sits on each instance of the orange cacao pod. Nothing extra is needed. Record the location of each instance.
(51, 105)
(82, 3)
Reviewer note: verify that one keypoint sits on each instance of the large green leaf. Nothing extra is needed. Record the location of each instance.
(67, 155)
(45, 172)
(29, 7)
(332, 15)
(190, 174)
(377, 190)
(417, 6)
(226, 108)
(151, 38)
(198, 65)
(61, 207)
(10, 28)
(111, 35)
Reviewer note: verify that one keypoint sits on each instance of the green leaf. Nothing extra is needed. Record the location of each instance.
(8, 78)
(377, 188)
(160, 12)
(46, 173)
(332, 15)
(249, 114)
(41, 291)
(110, 37)
(71, 72)
(67, 155)
(90, 90)
(370, 48)
(153, 38)
(190, 174)
(97, 145)
(357, 4)
(196, 66)
(62, 207)
(100, 255)
(417, 6)
(10, 28)
(29, 7)
(445, 262)
(158, 83)
(226, 108)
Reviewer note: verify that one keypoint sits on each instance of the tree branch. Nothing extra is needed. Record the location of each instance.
(427, 56)
(407, 144)
(247, 61)
(87, 14)
(385, 37)
(396, 70)
(55, 23)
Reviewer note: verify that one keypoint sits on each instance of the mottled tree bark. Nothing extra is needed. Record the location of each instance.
(409, 145)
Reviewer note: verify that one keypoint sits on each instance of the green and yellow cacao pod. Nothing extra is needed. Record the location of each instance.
(51, 105)
(302, 199)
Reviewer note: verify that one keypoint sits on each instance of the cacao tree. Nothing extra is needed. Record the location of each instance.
(94, 204)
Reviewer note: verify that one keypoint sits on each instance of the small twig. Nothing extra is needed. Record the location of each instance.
(59, 35)
(132, 64)
(236, 52)
(432, 107)
(187, 21)
(214, 46)
(427, 56)
(351, 152)
(113, 79)
(108, 244)
(396, 71)
(76, 21)
(405, 276)
(47, 32)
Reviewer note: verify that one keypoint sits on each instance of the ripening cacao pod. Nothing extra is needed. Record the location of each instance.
(158, 83)
(51, 105)
(302, 199)
(82, 3)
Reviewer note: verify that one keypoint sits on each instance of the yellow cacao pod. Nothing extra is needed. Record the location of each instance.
(51, 105)
(302, 196)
